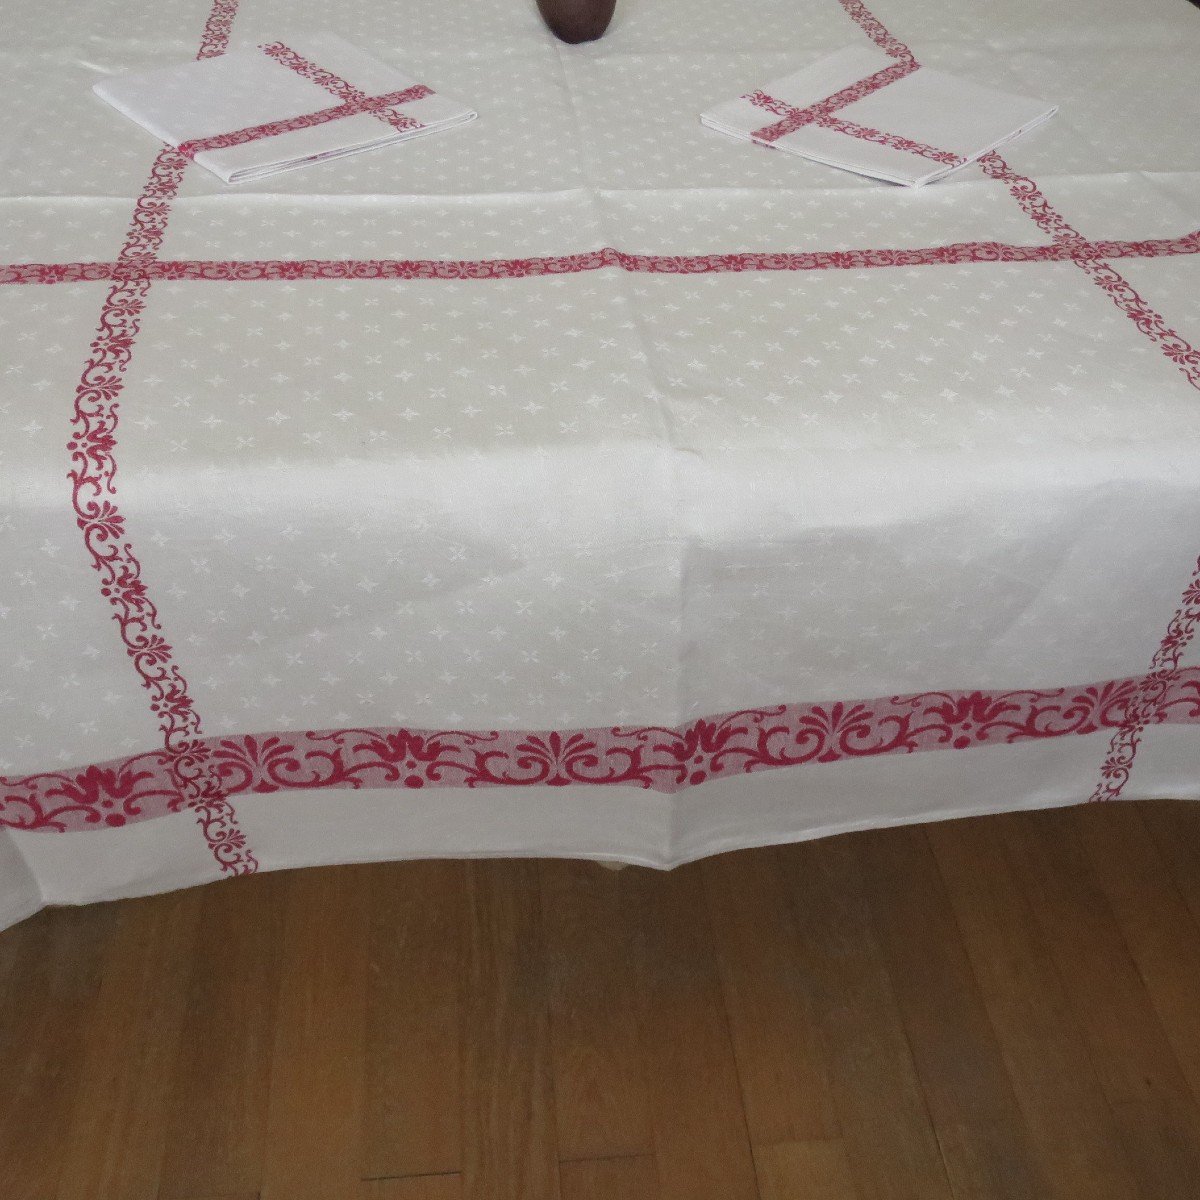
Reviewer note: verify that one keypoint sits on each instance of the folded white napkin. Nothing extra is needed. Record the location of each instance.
(862, 111)
(259, 110)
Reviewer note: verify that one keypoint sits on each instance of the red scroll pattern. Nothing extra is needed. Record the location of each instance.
(265, 270)
(192, 776)
(866, 134)
(107, 795)
(215, 38)
(337, 86)
(1027, 194)
(794, 118)
(1152, 700)
(876, 31)
(661, 759)
(1157, 694)
(372, 105)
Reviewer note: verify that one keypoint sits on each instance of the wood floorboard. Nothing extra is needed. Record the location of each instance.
(1065, 1110)
(700, 1137)
(980, 1131)
(1175, 827)
(222, 1075)
(602, 1109)
(113, 1145)
(1000, 1008)
(52, 968)
(1134, 1062)
(886, 1125)
(629, 1177)
(1158, 927)
(414, 1187)
(813, 1170)
(509, 1140)
(313, 1140)
(781, 1059)
(418, 931)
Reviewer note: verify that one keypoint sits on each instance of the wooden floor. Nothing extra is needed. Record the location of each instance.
(1001, 1007)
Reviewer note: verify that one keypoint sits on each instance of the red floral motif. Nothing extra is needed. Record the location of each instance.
(866, 134)
(1103, 274)
(658, 758)
(371, 105)
(875, 30)
(102, 794)
(1152, 700)
(111, 794)
(607, 258)
(352, 98)
(215, 38)
(1165, 693)
(189, 772)
(793, 118)
(1147, 706)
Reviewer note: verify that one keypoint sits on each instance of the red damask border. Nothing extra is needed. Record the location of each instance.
(605, 258)
(199, 773)
(1185, 621)
(792, 118)
(191, 771)
(343, 89)
(372, 105)
(658, 758)
(881, 138)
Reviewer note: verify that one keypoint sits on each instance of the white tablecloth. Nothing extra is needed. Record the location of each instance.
(583, 482)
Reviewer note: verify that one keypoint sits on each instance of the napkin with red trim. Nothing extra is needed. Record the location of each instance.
(259, 110)
(863, 111)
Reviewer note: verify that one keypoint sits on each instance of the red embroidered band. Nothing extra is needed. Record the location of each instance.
(336, 85)
(370, 105)
(353, 102)
(821, 114)
(186, 757)
(605, 258)
(794, 118)
(664, 759)
(1185, 622)
(866, 134)
(200, 773)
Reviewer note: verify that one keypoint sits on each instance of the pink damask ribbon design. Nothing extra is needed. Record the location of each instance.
(603, 258)
(666, 759)
(793, 118)
(198, 773)
(337, 86)
(354, 102)
(822, 112)
(191, 771)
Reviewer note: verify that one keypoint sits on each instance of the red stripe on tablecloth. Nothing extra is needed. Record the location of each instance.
(906, 63)
(334, 84)
(659, 758)
(793, 118)
(1182, 627)
(195, 767)
(876, 31)
(370, 105)
(1119, 290)
(1154, 693)
(881, 138)
(252, 270)
(186, 756)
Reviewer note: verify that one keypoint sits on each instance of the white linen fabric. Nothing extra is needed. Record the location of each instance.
(585, 483)
(289, 103)
(909, 128)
